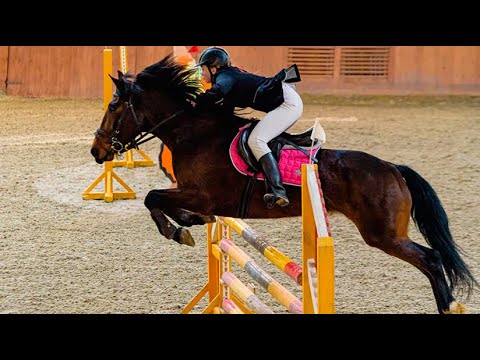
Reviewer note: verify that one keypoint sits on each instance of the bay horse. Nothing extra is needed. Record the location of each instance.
(377, 196)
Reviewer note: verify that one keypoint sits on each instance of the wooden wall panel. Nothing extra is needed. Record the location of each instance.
(55, 71)
(70, 71)
(426, 65)
(261, 60)
(444, 66)
(405, 61)
(437, 69)
(148, 55)
(76, 71)
(466, 66)
(3, 67)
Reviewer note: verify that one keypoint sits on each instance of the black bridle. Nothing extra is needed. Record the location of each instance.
(117, 146)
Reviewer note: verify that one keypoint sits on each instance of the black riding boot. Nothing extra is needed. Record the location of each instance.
(274, 179)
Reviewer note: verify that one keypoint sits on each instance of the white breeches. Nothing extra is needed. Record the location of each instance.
(275, 122)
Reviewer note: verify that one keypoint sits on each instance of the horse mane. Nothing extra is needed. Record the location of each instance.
(177, 80)
(170, 77)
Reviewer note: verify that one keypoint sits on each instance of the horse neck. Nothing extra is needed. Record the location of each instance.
(188, 130)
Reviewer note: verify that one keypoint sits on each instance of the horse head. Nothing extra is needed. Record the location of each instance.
(143, 105)
(122, 122)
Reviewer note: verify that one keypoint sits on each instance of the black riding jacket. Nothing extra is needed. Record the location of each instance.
(232, 87)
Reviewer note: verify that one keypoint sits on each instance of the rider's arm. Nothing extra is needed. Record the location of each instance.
(215, 95)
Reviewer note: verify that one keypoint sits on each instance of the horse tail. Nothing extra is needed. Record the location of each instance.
(431, 220)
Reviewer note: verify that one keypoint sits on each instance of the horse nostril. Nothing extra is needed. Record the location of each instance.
(94, 152)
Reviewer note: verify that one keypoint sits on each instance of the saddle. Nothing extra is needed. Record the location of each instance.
(299, 141)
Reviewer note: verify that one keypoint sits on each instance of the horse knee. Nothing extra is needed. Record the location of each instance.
(151, 200)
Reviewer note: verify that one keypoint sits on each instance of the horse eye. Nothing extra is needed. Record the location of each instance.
(112, 107)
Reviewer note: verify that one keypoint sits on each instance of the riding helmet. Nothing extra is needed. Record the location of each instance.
(214, 56)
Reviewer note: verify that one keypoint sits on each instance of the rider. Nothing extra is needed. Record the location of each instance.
(234, 87)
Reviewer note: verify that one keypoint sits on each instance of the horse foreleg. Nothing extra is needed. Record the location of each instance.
(167, 202)
(189, 218)
(170, 231)
(181, 216)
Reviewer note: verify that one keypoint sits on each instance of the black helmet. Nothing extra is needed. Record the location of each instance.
(214, 56)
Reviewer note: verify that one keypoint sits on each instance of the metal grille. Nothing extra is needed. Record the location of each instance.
(365, 62)
(313, 61)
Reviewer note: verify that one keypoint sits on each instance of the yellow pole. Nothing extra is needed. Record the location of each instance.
(108, 175)
(308, 242)
(317, 245)
(129, 161)
(124, 66)
(108, 181)
(107, 97)
(326, 276)
(214, 266)
(107, 83)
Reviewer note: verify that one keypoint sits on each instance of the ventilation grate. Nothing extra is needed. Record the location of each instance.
(313, 61)
(365, 62)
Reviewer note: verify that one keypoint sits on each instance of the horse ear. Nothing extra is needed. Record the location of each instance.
(117, 82)
(120, 74)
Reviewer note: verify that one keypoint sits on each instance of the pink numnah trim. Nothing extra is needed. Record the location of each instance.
(290, 163)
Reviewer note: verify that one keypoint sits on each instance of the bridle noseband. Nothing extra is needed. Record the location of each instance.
(117, 146)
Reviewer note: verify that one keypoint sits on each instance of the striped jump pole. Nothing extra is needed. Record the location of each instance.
(275, 289)
(280, 260)
(230, 307)
(245, 294)
(228, 295)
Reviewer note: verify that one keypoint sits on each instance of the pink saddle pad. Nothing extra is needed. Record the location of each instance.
(290, 163)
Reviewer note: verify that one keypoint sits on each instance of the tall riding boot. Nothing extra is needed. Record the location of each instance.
(274, 179)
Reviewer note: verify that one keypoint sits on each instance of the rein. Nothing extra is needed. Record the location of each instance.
(137, 141)
(117, 146)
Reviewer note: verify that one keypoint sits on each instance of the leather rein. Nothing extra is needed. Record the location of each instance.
(117, 146)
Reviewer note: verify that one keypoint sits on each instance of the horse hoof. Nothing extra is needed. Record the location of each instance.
(457, 308)
(209, 219)
(183, 236)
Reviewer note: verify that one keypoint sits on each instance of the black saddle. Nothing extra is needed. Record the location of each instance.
(298, 141)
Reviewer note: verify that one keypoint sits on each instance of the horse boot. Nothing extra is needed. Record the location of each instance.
(274, 179)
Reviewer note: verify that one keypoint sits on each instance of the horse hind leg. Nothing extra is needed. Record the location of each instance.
(427, 260)
(381, 210)
(385, 226)
(434, 271)
(430, 264)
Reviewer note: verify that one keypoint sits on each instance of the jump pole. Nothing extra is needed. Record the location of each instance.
(258, 241)
(317, 259)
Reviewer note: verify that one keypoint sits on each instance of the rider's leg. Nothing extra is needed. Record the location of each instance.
(273, 124)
